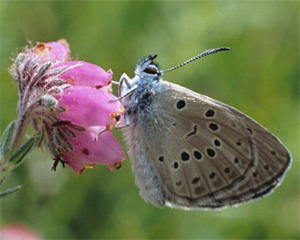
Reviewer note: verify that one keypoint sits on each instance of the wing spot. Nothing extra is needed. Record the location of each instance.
(185, 156)
(227, 170)
(239, 142)
(175, 165)
(236, 160)
(254, 174)
(193, 132)
(211, 152)
(129, 112)
(249, 130)
(217, 142)
(210, 113)
(155, 179)
(197, 155)
(161, 158)
(195, 180)
(213, 126)
(178, 183)
(180, 104)
(212, 175)
(233, 125)
(267, 167)
(273, 152)
(174, 124)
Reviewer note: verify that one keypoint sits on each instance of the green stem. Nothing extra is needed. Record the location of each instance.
(5, 168)
(15, 142)
(19, 133)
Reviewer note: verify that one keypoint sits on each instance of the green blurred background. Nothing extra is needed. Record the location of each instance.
(260, 76)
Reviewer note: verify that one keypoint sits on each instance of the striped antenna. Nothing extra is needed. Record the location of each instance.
(208, 52)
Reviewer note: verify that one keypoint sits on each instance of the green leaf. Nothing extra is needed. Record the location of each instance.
(6, 138)
(22, 151)
(10, 191)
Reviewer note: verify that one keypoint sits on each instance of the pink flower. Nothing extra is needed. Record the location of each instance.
(18, 232)
(70, 101)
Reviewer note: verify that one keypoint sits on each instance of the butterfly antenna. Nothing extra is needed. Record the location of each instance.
(208, 52)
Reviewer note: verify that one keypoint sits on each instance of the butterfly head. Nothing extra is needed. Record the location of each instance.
(148, 73)
(147, 68)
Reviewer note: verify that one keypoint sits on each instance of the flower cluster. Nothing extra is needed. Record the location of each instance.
(70, 103)
(18, 232)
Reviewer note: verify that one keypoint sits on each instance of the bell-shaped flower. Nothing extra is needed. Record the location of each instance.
(71, 103)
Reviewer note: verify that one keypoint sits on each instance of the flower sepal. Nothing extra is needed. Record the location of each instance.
(19, 154)
(6, 139)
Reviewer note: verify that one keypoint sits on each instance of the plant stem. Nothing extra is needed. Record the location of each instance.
(20, 130)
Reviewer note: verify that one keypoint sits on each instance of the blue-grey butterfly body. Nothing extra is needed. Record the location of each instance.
(192, 152)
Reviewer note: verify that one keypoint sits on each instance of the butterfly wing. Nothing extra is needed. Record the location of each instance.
(191, 151)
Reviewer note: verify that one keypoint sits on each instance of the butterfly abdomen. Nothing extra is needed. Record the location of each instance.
(146, 176)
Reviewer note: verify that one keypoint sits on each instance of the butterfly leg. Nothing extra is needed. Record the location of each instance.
(125, 79)
(122, 127)
(115, 82)
(116, 120)
(125, 95)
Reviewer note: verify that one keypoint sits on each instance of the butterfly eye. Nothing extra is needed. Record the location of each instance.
(150, 70)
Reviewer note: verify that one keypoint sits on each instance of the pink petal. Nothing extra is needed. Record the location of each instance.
(86, 151)
(87, 106)
(106, 150)
(59, 50)
(76, 163)
(53, 50)
(85, 74)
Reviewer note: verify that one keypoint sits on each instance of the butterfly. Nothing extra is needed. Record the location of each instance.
(190, 151)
